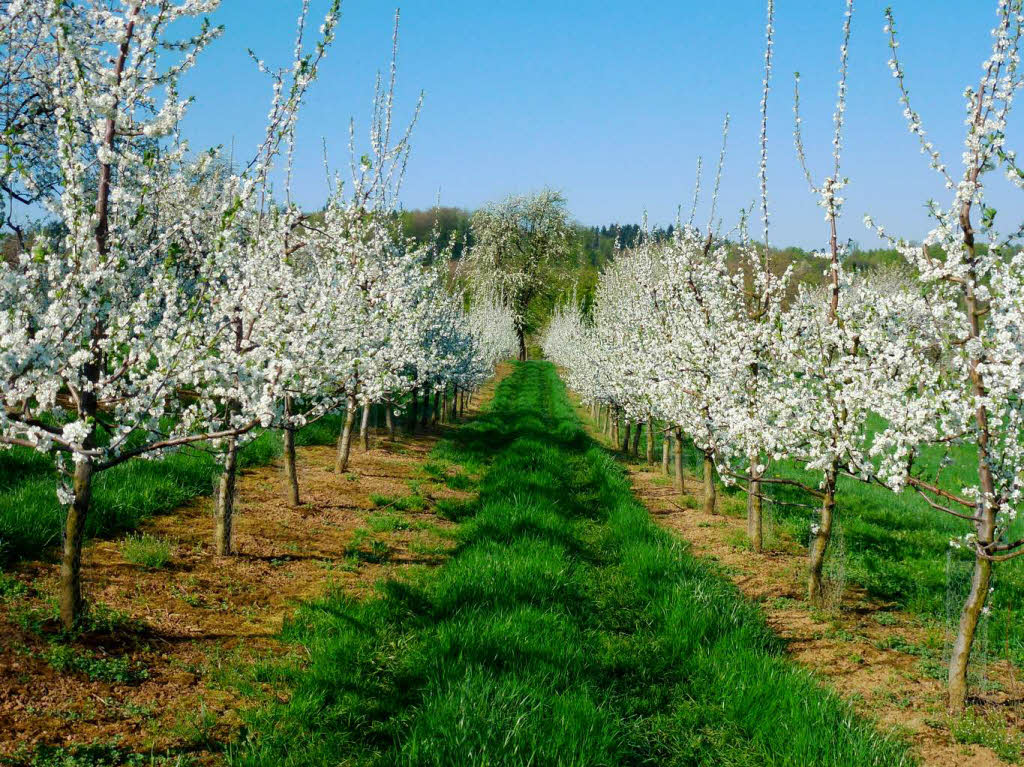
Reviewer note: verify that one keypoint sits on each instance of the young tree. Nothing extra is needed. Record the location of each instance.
(105, 322)
(821, 406)
(257, 295)
(971, 393)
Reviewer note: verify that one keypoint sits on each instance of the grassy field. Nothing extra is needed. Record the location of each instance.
(566, 629)
(31, 520)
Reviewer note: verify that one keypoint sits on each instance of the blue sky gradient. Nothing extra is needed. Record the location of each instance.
(613, 102)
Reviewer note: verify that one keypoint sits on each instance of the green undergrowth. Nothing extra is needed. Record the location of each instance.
(31, 520)
(565, 629)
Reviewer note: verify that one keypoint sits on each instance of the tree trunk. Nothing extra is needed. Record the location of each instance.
(820, 540)
(290, 473)
(677, 446)
(710, 492)
(444, 405)
(636, 438)
(625, 438)
(225, 512)
(666, 450)
(969, 618)
(413, 403)
(454, 415)
(755, 526)
(650, 440)
(436, 417)
(364, 427)
(615, 426)
(521, 334)
(462, 404)
(425, 420)
(345, 438)
(71, 602)
(389, 419)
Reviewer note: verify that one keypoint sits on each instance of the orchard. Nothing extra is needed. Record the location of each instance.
(540, 493)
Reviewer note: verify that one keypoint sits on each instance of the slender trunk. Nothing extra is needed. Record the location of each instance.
(625, 438)
(364, 427)
(820, 540)
(615, 426)
(444, 405)
(71, 602)
(454, 415)
(666, 450)
(755, 526)
(636, 438)
(436, 417)
(225, 512)
(650, 440)
(677, 445)
(984, 521)
(425, 420)
(462, 404)
(607, 430)
(413, 404)
(389, 419)
(522, 344)
(290, 474)
(710, 492)
(345, 438)
(969, 619)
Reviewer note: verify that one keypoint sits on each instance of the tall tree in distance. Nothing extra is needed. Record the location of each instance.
(519, 243)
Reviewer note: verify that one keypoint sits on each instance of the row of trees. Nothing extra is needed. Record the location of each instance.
(173, 299)
(700, 333)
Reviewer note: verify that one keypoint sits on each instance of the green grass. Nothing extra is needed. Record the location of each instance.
(66, 659)
(146, 550)
(990, 731)
(31, 520)
(566, 629)
(94, 755)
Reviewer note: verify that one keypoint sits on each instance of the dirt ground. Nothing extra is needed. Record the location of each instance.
(873, 655)
(153, 674)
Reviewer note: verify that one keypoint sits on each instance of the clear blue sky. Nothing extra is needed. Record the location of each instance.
(611, 102)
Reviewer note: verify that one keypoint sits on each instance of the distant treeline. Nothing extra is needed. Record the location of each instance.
(595, 245)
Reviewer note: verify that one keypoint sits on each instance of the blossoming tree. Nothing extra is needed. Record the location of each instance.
(972, 276)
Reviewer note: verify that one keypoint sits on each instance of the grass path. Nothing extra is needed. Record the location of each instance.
(566, 629)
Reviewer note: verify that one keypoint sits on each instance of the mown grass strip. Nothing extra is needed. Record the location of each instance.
(566, 629)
